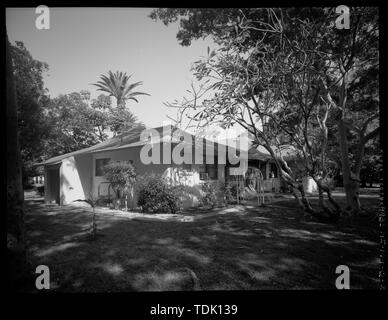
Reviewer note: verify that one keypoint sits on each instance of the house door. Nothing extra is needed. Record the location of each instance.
(53, 185)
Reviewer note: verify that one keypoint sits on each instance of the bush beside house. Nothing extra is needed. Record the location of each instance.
(122, 177)
(154, 195)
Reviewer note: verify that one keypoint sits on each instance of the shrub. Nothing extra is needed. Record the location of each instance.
(214, 194)
(234, 188)
(231, 192)
(209, 198)
(122, 177)
(156, 196)
(186, 194)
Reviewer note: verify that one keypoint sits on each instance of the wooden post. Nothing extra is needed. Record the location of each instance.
(258, 190)
(238, 190)
(261, 188)
(263, 194)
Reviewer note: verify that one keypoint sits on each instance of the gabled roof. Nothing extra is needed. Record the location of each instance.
(117, 141)
(129, 139)
(132, 138)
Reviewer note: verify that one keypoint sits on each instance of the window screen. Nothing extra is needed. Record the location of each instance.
(100, 164)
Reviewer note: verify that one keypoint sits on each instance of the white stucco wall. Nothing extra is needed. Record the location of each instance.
(173, 173)
(75, 179)
(71, 186)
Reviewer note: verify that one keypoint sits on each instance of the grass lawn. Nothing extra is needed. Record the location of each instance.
(237, 248)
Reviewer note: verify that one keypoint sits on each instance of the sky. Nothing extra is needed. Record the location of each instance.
(83, 43)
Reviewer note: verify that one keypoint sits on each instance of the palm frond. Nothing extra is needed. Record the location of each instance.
(132, 98)
(117, 85)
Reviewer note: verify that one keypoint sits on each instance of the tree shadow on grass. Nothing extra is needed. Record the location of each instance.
(272, 247)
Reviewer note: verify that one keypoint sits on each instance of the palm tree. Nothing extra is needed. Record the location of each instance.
(116, 85)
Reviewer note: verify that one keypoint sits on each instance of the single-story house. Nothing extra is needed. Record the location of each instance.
(80, 174)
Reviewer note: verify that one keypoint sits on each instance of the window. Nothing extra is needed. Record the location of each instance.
(208, 171)
(203, 176)
(186, 166)
(125, 161)
(212, 171)
(100, 164)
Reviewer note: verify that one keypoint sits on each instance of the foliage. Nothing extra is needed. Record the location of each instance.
(282, 74)
(77, 122)
(184, 193)
(120, 121)
(219, 193)
(215, 194)
(231, 192)
(209, 198)
(71, 129)
(103, 117)
(197, 23)
(98, 115)
(18, 269)
(69, 122)
(31, 102)
(122, 177)
(372, 163)
(116, 85)
(156, 196)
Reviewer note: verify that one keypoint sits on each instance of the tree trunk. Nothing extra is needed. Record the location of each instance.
(321, 199)
(120, 104)
(350, 183)
(100, 134)
(18, 270)
(333, 216)
(287, 176)
(352, 196)
(305, 200)
(299, 202)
